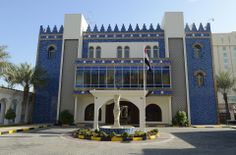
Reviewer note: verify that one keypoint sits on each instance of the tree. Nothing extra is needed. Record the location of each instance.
(3, 58)
(27, 76)
(9, 74)
(10, 114)
(225, 82)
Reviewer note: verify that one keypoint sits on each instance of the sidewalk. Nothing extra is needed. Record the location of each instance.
(23, 128)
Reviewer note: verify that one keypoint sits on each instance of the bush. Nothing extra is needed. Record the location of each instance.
(10, 115)
(125, 135)
(66, 117)
(181, 118)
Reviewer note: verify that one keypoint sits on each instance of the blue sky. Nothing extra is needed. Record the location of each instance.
(20, 19)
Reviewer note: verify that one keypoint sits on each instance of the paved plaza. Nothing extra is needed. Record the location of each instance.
(56, 141)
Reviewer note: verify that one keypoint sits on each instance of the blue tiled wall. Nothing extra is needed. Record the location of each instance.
(202, 99)
(45, 107)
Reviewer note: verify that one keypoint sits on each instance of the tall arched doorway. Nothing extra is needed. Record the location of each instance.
(2, 110)
(129, 113)
(153, 113)
(89, 113)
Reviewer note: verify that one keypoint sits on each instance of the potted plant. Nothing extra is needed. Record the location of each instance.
(125, 136)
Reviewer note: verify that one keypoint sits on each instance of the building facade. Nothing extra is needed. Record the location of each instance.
(88, 66)
(10, 98)
(224, 52)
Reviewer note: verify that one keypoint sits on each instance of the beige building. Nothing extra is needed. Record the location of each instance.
(224, 53)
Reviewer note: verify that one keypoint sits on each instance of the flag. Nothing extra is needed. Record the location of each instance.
(147, 61)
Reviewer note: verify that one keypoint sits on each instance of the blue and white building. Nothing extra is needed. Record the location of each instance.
(87, 66)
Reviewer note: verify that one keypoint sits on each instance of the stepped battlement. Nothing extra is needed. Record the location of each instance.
(53, 30)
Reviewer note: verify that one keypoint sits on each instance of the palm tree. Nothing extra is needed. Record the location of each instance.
(27, 77)
(225, 83)
(3, 58)
(9, 74)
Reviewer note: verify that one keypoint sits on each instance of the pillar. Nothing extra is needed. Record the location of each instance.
(75, 110)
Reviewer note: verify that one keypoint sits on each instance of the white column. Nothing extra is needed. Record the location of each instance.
(170, 111)
(142, 115)
(96, 106)
(75, 111)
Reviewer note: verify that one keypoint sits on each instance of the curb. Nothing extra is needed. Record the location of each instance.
(210, 126)
(24, 129)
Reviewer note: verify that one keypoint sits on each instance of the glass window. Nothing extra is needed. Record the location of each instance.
(98, 52)
(110, 77)
(148, 50)
(87, 77)
(224, 48)
(102, 77)
(91, 52)
(225, 61)
(140, 77)
(165, 76)
(149, 77)
(119, 52)
(225, 54)
(197, 51)
(94, 77)
(199, 79)
(79, 77)
(51, 52)
(156, 52)
(126, 52)
(157, 78)
(126, 76)
(118, 77)
(134, 77)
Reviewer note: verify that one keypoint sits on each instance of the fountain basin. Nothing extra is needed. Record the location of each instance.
(118, 130)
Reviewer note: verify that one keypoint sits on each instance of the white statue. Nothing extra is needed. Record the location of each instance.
(232, 111)
(116, 111)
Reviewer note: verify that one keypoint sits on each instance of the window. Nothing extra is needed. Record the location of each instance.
(199, 77)
(197, 51)
(126, 52)
(225, 54)
(89, 113)
(91, 52)
(224, 48)
(119, 52)
(51, 52)
(98, 52)
(148, 50)
(156, 52)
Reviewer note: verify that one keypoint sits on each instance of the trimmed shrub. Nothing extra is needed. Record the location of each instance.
(66, 117)
(10, 115)
(181, 118)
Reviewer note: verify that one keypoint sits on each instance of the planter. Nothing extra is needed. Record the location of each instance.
(96, 138)
(116, 138)
(81, 136)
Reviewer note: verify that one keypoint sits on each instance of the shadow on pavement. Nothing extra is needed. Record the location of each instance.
(209, 143)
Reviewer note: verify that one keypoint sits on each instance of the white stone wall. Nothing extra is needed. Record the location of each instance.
(6, 100)
(164, 102)
(109, 49)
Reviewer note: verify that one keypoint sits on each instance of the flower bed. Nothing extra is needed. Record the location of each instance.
(102, 136)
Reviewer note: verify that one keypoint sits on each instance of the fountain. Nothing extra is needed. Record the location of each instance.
(117, 128)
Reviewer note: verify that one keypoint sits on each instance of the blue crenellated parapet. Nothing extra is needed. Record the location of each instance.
(53, 30)
(123, 28)
(193, 28)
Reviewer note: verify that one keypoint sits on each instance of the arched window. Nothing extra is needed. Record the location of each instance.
(156, 52)
(197, 49)
(119, 52)
(148, 50)
(126, 51)
(98, 52)
(51, 52)
(14, 105)
(153, 113)
(89, 113)
(199, 78)
(91, 52)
